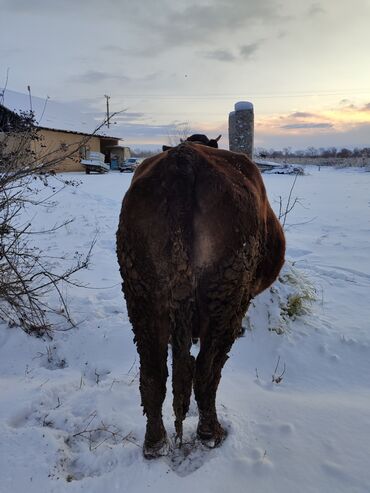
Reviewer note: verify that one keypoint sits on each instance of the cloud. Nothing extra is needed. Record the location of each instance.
(6, 51)
(220, 55)
(216, 16)
(96, 76)
(117, 50)
(204, 23)
(35, 6)
(121, 117)
(315, 9)
(302, 114)
(149, 133)
(340, 120)
(129, 115)
(281, 34)
(246, 51)
(291, 126)
(349, 107)
(354, 136)
(151, 28)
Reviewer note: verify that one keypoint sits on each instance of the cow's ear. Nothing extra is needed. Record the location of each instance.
(213, 143)
(166, 148)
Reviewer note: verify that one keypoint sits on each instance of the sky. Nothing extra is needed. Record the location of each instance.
(178, 67)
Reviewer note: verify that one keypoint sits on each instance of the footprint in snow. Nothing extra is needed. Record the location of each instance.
(286, 428)
(257, 459)
(190, 457)
(335, 470)
(20, 418)
(108, 294)
(320, 239)
(261, 459)
(297, 252)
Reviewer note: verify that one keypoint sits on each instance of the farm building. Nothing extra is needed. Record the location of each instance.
(66, 134)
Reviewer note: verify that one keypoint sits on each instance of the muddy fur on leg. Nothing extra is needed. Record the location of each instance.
(223, 297)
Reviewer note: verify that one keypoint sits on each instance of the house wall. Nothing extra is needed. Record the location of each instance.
(65, 148)
(15, 147)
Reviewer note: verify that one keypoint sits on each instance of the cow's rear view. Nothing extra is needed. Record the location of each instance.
(197, 239)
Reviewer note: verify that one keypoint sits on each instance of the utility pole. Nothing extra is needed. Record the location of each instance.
(107, 98)
(30, 96)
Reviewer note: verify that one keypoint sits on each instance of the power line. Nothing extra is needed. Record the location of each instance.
(219, 96)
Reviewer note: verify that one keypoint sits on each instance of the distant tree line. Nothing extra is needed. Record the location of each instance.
(286, 152)
(323, 152)
(144, 152)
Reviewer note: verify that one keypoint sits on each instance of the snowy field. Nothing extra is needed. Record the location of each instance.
(70, 413)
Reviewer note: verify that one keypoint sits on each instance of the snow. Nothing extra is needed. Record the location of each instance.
(53, 114)
(70, 415)
(243, 105)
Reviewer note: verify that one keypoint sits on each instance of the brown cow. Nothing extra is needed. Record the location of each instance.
(197, 239)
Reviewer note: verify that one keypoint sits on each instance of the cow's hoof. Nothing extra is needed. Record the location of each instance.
(155, 450)
(212, 439)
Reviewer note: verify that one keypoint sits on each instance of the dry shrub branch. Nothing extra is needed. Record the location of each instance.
(28, 277)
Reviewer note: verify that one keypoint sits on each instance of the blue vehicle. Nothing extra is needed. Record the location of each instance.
(130, 164)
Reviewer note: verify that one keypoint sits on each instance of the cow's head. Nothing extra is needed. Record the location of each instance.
(203, 139)
(199, 139)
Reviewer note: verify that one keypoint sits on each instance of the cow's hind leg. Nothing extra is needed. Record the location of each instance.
(209, 363)
(223, 306)
(152, 345)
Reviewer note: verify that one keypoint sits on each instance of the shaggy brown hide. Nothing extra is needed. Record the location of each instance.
(197, 239)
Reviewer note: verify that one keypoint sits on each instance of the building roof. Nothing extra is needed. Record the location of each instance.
(97, 134)
(53, 115)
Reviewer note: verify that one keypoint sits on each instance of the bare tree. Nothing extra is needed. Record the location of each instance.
(179, 133)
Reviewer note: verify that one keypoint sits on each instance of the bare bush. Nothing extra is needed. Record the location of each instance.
(101, 433)
(27, 276)
(290, 203)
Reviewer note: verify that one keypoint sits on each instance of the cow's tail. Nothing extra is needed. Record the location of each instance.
(181, 174)
(182, 363)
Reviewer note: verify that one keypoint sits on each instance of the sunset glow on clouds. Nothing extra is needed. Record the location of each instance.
(347, 124)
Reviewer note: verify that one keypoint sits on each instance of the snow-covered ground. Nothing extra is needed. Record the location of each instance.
(70, 415)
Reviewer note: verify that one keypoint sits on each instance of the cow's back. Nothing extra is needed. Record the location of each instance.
(192, 207)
